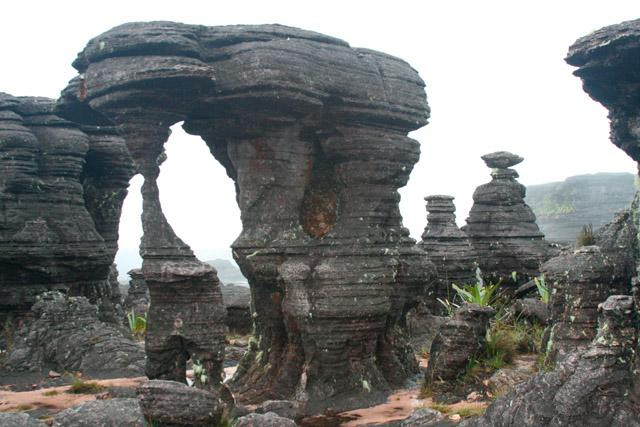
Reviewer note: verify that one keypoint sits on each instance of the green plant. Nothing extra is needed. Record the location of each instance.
(586, 236)
(448, 305)
(478, 293)
(470, 411)
(445, 409)
(137, 324)
(51, 393)
(543, 290)
(78, 386)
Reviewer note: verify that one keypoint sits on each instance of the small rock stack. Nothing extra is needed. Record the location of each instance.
(502, 227)
(447, 247)
(138, 295)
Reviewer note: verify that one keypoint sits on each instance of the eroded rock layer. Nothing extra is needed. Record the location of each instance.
(501, 227)
(314, 134)
(448, 248)
(61, 190)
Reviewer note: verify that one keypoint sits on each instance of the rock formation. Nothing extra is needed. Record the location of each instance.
(102, 413)
(501, 227)
(579, 283)
(61, 190)
(137, 298)
(447, 247)
(458, 340)
(171, 403)
(237, 302)
(589, 388)
(314, 134)
(66, 335)
(563, 208)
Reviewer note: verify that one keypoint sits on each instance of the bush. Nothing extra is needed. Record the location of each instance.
(586, 236)
(478, 293)
(543, 290)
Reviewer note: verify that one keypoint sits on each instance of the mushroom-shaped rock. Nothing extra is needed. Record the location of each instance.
(502, 227)
(314, 134)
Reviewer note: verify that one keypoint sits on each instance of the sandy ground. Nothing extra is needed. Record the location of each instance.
(56, 398)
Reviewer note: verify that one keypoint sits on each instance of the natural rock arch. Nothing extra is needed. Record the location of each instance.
(314, 135)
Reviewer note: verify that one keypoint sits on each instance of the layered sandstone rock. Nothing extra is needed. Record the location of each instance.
(448, 248)
(579, 282)
(137, 298)
(61, 190)
(314, 134)
(501, 227)
(66, 334)
(589, 388)
(458, 340)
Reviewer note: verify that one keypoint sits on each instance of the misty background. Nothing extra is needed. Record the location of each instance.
(494, 70)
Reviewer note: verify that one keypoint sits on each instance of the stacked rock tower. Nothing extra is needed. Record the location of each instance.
(502, 227)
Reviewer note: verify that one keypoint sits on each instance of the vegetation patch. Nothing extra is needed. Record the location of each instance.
(78, 386)
(137, 324)
(586, 236)
(51, 393)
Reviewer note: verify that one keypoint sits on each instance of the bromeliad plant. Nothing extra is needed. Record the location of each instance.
(137, 324)
(478, 293)
(543, 290)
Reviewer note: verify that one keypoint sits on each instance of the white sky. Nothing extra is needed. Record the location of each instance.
(495, 75)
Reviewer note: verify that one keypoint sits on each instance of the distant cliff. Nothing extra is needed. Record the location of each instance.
(228, 271)
(562, 208)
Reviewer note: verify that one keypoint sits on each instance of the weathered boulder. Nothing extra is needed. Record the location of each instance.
(264, 420)
(116, 412)
(458, 340)
(314, 134)
(579, 282)
(66, 334)
(532, 309)
(171, 403)
(61, 191)
(423, 417)
(448, 248)
(586, 389)
(502, 227)
(283, 408)
(237, 302)
(18, 419)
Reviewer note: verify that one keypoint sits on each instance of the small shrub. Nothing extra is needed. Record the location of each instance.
(137, 324)
(78, 386)
(543, 290)
(448, 306)
(51, 393)
(586, 236)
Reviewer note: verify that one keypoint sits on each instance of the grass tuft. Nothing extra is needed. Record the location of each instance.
(470, 411)
(51, 393)
(85, 387)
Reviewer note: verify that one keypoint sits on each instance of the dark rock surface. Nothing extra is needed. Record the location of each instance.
(18, 419)
(587, 389)
(102, 413)
(237, 302)
(457, 341)
(501, 227)
(284, 408)
(448, 248)
(314, 134)
(264, 420)
(172, 403)
(137, 298)
(579, 282)
(532, 309)
(607, 63)
(60, 207)
(66, 334)
(563, 208)
(422, 417)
